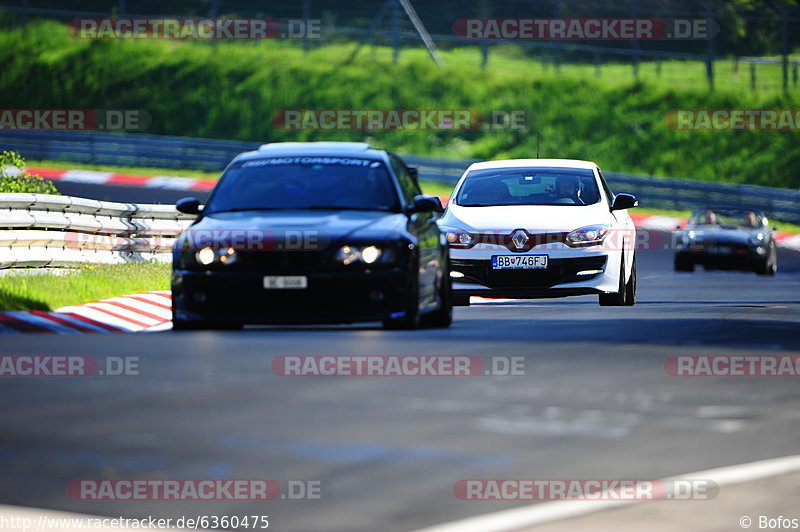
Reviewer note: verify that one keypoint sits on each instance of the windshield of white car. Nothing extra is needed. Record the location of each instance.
(529, 186)
(305, 183)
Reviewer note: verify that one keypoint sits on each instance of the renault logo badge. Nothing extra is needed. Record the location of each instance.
(519, 238)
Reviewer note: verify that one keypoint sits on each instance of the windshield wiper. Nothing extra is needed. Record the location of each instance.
(244, 209)
(338, 208)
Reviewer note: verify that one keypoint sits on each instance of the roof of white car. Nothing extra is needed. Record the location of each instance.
(545, 163)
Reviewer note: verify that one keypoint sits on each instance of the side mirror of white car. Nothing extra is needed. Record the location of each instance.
(624, 201)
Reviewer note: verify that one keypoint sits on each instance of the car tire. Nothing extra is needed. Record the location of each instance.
(616, 299)
(460, 300)
(768, 267)
(630, 287)
(181, 325)
(443, 316)
(411, 318)
(683, 265)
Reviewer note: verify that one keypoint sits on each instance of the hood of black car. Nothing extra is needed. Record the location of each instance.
(327, 225)
(725, 236)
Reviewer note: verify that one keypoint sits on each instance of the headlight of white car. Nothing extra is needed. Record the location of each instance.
(589, 235)
(459, 238)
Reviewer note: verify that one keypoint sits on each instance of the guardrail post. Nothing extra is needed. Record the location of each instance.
(306, 17)
(784, 42)
(484, 13)
(395, 21)
(709, 45)
(634, 5)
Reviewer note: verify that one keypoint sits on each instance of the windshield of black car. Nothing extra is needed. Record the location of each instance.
(305, 183)
(728, 219)
(529, 186)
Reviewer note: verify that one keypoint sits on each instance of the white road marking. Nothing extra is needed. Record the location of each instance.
(527, 516)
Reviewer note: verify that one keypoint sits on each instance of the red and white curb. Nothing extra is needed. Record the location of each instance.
(151, 311)
(94, 177)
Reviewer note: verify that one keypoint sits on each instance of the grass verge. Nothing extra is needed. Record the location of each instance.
(86, 284)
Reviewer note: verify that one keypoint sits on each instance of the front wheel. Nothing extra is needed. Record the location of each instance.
(630, 287)
(443, 316)
(460, 300)
(768, 267)
(181, 325)
(616, 299)
(683, 265)
(410, 318)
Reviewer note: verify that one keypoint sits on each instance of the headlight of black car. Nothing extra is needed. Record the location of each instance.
(208, 256)
(368, 255)
(757, 239)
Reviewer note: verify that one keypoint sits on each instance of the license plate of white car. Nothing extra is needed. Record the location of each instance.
(519, 262)
(285, 282)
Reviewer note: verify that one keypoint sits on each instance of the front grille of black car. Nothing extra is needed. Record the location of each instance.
(558, 271)
(733, 246)
(295, 261)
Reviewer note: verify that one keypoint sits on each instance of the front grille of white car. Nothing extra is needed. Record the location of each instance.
(558, 271)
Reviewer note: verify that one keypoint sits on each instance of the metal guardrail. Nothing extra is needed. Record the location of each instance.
(38, 230)
(213, 155)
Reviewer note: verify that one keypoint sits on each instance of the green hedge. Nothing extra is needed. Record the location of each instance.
(22, 182)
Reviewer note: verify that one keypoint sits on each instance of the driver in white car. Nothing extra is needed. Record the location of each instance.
(568, 191)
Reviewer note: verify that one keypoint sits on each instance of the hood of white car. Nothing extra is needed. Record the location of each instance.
(532, 218)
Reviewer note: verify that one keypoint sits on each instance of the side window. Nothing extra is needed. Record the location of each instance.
(606, 188)
(407, 183)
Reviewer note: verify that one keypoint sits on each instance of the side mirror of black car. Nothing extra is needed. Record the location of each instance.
(427, 204)
(624, 201)
(188, 206)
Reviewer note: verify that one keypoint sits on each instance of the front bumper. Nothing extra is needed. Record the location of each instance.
(562, 277)
(737, 258)
(331, 297)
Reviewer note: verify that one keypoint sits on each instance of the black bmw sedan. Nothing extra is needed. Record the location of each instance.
(317, 232)
(726, 240)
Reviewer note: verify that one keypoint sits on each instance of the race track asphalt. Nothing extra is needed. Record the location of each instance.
(595, 402)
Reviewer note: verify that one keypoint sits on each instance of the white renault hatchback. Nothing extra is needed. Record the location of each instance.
(531, 228)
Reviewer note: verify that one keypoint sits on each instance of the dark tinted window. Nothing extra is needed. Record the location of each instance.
(529, 186)
(305, 182)
(606, 188)
(407, 183)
